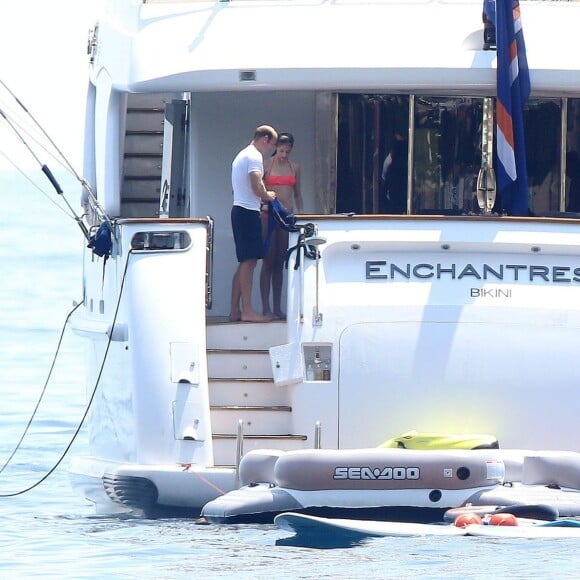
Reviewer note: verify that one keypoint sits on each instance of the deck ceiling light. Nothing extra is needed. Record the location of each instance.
(247, 75)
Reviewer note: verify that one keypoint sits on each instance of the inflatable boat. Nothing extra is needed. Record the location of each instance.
(404, 484)
(396, 484)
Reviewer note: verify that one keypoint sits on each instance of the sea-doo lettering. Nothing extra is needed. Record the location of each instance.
(386, 473)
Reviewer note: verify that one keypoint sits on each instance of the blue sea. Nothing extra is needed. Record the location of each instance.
(51, 532)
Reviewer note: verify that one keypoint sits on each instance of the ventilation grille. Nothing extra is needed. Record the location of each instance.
(131, 491)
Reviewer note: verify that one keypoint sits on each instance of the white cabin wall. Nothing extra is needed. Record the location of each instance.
(89, 153)
(447, 353)
(221, 125)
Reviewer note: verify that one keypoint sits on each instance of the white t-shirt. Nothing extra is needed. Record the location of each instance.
(247, 160)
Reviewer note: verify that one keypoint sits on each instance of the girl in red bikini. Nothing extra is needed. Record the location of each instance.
(282, 176)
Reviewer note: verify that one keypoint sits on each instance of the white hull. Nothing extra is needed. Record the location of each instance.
(400, 484)
(150, 489)
(436, 319)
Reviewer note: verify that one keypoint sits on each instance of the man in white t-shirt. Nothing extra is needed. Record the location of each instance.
(249, 193)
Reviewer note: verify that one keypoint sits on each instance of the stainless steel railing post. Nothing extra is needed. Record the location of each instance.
(317, 435)
(239, 450)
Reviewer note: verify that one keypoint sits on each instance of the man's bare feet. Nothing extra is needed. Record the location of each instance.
(255, 317)
(235, 316)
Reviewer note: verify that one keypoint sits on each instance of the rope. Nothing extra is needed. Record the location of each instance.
(302, 247)
(86, 412)
(43, 389)
(18, 129)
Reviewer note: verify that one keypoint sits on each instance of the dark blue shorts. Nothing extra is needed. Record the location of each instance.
(247, 229)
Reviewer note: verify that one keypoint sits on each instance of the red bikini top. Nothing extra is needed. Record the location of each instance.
(280, 180)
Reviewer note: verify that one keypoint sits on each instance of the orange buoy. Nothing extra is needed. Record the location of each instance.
(464, 520)
(503, 520)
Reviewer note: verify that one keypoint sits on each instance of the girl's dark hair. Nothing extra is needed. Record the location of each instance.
(285, 139)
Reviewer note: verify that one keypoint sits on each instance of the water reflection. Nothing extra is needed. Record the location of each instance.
(324, 540)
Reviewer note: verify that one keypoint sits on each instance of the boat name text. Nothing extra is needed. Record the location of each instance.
(381, 269)
(377, 473)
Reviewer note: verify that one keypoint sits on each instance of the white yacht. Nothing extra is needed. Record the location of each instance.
(438, 311)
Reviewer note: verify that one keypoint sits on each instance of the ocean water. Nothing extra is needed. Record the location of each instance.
(50, 532)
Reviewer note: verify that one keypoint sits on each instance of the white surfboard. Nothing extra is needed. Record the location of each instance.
(305, 524)
(561, 529)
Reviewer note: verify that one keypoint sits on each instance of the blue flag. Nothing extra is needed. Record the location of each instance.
(513, 90)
